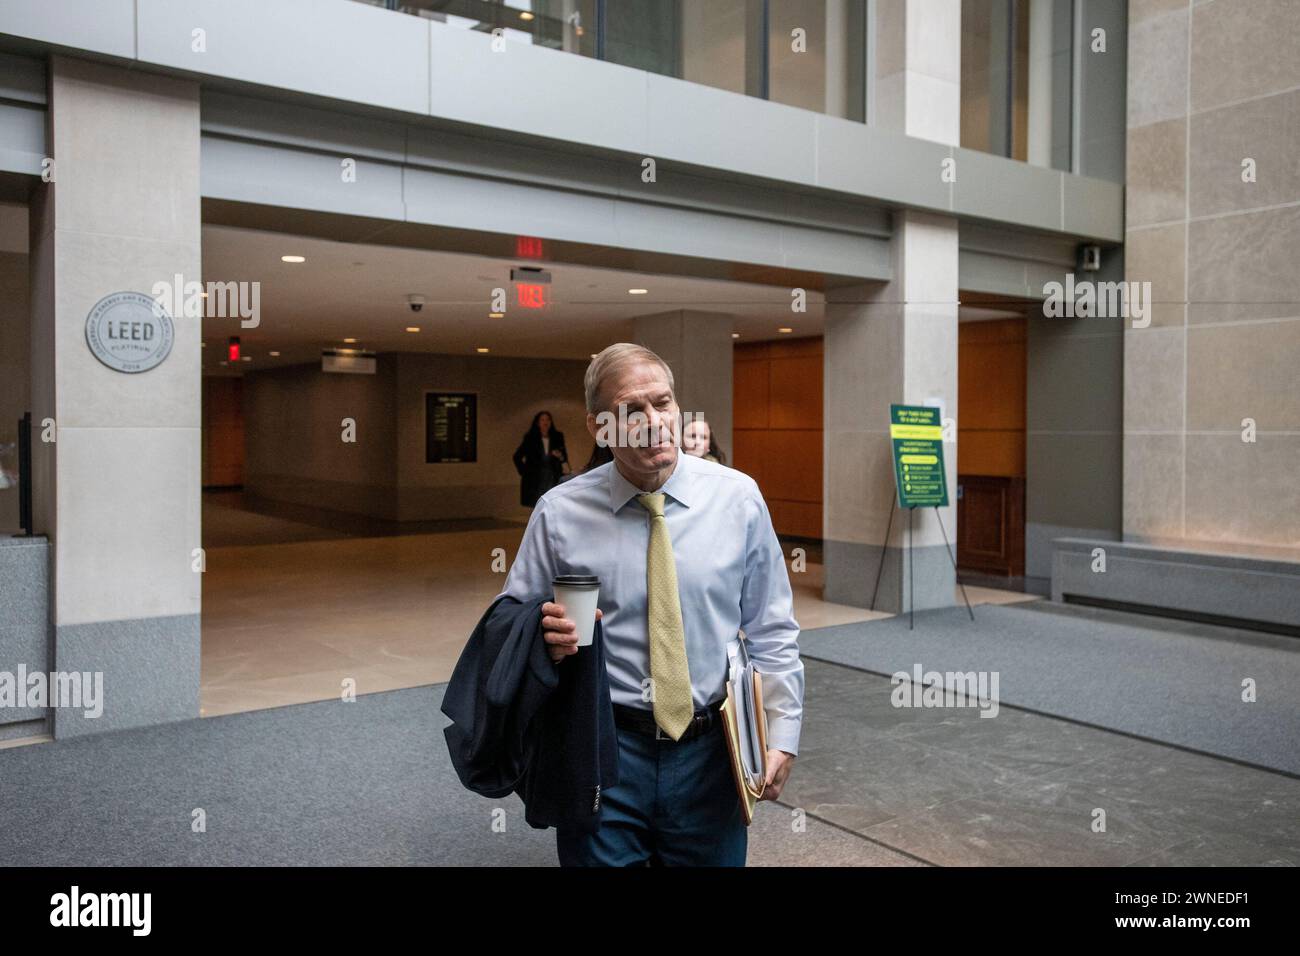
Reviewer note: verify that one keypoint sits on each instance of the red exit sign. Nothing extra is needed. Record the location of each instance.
(532, 296)
(528, 247)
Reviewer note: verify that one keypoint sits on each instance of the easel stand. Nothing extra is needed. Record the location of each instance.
(911, 564)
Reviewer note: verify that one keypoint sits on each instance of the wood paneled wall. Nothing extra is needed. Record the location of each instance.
(223, 432)
(991, 398)
(991, 446)
(778, 429)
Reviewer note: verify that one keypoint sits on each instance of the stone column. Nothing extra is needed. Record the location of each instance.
(896, 343)
(118, 491)
(1212, 222)
(697, 347)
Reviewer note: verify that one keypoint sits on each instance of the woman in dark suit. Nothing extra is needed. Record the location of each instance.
(540, 459)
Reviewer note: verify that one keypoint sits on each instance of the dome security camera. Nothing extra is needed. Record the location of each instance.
(416, 302)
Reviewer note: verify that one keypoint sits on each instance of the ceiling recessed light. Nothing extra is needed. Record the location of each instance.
(349, 341)
(273, 354)
(293, 258)
(412, 328)
(246, 358)
(637, 291)
(525, 14)
(496, 315)
(593, 354)
(480, 350)
(735, 335)
(785, 328)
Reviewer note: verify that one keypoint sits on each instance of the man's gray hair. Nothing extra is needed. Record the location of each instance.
(614, 358)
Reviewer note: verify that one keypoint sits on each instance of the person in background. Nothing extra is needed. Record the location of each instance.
(698, 440)
(541, 459)
(600, 455)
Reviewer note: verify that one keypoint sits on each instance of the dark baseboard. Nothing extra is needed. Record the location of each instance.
(1197, 617)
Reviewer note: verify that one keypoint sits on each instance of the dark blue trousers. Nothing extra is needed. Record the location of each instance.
(675, 805)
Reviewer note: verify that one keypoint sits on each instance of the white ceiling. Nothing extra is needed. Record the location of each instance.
(349, 290)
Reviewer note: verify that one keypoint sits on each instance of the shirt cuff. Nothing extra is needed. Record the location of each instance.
(783, 734)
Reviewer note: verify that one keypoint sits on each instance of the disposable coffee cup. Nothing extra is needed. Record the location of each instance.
(578, 594)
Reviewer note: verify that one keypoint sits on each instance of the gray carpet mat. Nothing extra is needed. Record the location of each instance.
(339, 784)
(324, 784)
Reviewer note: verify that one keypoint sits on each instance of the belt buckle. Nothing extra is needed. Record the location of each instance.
(659, 733)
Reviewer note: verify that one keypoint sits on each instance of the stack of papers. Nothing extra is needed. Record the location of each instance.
(746, 726)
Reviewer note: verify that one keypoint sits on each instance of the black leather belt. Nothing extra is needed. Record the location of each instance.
(641, 720)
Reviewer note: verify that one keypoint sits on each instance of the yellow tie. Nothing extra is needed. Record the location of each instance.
(669, 674)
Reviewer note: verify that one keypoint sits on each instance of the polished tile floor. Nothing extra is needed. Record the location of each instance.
(306, 609)
(947, 787)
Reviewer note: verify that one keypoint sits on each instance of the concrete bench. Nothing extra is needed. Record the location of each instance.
(1258, 590)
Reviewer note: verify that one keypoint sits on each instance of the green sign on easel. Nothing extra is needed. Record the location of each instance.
(916, 433)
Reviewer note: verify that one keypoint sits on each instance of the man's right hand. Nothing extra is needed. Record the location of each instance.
(560, 632)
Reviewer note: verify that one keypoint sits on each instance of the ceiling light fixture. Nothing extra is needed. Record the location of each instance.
(273, 354)
(637, 291)
(412, 328)
(480, 350)
(496, 315)
(349, 341)
(293, 258)
(785, 328)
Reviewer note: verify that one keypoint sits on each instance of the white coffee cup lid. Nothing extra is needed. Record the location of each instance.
(576, 581)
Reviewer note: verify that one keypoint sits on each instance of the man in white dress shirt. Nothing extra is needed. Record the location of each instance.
(707, 527)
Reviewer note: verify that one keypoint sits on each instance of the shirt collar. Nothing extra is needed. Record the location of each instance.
(677, 487)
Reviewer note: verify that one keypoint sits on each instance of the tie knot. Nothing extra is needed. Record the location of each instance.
(653, 502)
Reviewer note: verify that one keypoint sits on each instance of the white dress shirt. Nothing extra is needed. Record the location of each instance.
(731, 575)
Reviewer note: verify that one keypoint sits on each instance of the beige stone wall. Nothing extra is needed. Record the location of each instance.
(292, 428)
(1209, 86)
(118, 492)
(510, 392)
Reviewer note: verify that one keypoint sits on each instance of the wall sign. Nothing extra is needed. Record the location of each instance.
(916, 432)
(129, 332)
(450, 427)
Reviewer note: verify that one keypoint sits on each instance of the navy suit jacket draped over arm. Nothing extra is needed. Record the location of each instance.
(525, 724)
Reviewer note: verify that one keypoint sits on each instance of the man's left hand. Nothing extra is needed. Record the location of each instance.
(779, 765)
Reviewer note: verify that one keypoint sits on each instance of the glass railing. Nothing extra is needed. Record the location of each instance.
(805, 53)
